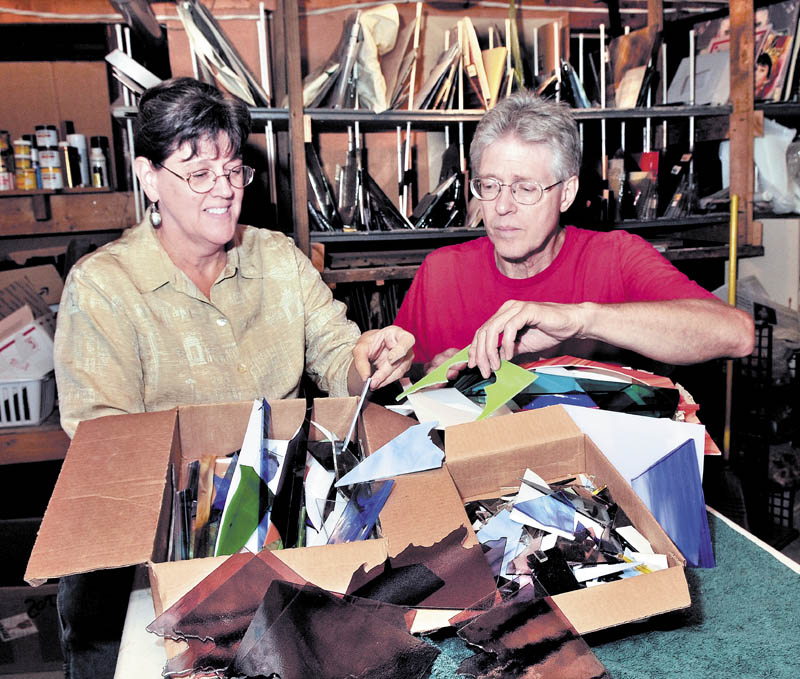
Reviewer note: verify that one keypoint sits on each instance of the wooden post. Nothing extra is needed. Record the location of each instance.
(742, 125)
(297, 151)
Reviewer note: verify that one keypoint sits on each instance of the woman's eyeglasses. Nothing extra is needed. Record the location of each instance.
(524, 191)
(202, 181)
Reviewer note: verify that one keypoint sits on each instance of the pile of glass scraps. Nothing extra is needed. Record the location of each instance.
(561, 536)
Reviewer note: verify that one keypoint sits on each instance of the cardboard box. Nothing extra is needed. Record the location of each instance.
(27, 324)
(484, 457)
(44, 278)
(29, 636)
(111, 504)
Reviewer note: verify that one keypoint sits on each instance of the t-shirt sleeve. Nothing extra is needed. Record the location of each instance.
(649, 276)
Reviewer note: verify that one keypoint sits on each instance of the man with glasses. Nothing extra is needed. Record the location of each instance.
(533, 286)
(188, 307)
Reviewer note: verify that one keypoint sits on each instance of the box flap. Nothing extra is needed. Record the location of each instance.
(422, 507)
(483, 457)
(329, 566)
(616, 603)
(104, 511)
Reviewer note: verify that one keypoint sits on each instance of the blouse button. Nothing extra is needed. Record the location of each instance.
(242, 368)
(222, 322)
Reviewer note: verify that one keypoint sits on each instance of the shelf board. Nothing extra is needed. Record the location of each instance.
(374, 273)
(778, 108)
(710, 251)
(342, 118)
(70, 212)
(458, 233)
(683, 222)
(53, 192)
(355, 237)
(699, 251)
(45, 441)
(258, 114)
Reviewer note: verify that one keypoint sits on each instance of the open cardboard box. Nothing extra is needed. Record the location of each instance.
(487, 456)
(111, 504)
(118, 468)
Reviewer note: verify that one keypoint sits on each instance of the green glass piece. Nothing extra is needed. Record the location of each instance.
(438, 376)
(241, 517)
(510, 380)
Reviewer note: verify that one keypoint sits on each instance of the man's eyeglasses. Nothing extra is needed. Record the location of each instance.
(202, 181)
(524, 191)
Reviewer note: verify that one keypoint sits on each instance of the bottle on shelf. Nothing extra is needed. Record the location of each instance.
(7, 165)
(98, 162)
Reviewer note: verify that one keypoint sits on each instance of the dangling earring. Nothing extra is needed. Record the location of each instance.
(155, 215)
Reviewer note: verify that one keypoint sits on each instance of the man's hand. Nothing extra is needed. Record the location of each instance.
(440, 358)
(525, 327)
(385, 354)
(677, 331)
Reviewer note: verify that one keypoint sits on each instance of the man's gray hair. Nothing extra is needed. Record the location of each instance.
(532, 120)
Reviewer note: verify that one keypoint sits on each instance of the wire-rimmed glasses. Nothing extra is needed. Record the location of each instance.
(202, 181)
(524, 191)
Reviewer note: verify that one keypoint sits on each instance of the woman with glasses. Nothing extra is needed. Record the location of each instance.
(536, 287)
(191, 307)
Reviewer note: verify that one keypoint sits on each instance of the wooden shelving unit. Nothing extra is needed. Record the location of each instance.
(85, 212)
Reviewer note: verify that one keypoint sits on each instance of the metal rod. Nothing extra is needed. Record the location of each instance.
(733, 237)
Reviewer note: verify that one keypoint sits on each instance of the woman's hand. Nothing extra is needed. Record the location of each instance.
(384, 354)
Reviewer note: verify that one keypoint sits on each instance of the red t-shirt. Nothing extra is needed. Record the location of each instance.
(459, 287)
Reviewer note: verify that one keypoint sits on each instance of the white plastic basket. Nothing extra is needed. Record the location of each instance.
(24, 402)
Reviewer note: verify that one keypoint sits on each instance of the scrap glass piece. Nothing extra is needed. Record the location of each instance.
(218, 610)
(242, 513)
(288, 500)
(361, 513)
(510, 379)
(468, 581)
(544, 400)
(403, 585)
(411, 451)
(502, 527)
(525, 636)
(299, 632)
(222, 484)
(205, 496)
(437, 376)
(673, 491)
(493, 552)
(549, 512)
(552, 571)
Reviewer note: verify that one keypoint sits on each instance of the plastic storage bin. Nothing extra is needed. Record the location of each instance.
(27, 402)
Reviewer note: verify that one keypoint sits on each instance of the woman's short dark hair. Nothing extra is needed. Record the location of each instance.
(186, 111)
